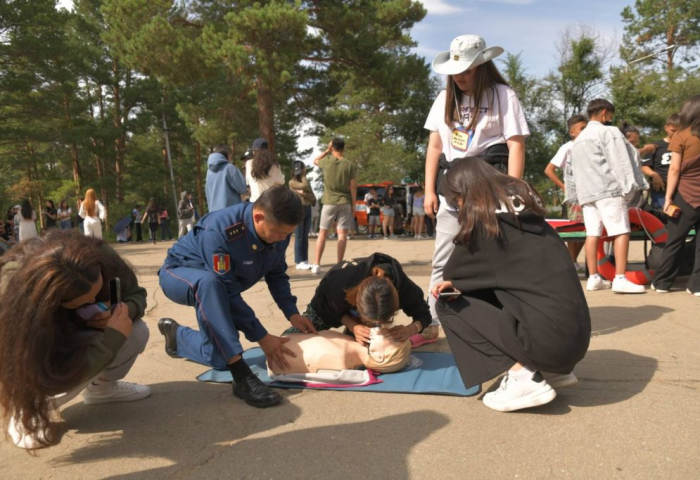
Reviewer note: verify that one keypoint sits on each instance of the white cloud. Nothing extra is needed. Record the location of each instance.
(440, 7)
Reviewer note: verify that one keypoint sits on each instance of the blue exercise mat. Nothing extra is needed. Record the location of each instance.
(434, 373)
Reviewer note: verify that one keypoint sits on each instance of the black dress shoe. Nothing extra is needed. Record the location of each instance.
(255, 393)
(168, 327)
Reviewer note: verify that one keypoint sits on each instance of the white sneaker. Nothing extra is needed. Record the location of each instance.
(393, 236)
(516, 394)
(315, 269)
(597, 283)
(660, 290)
(560, 380)
(23, 440)
(303, 266)
(697, 294)
(622, 285)
(114, 392)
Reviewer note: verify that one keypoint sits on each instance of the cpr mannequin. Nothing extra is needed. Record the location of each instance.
(330, 350)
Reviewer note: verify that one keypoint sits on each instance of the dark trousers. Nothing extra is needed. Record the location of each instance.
(153, 227)
(138, 232)
(472, 329)
(301, 234)
(165, 230)
(430, 228)
(678, 229)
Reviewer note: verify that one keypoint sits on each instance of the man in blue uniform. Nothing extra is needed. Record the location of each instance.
(226, 253)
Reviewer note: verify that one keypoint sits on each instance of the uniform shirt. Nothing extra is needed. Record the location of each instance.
(562, 156)
(659, 160)
(225, 242)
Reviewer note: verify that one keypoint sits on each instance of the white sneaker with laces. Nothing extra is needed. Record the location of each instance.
(560, 380)
(597, 283)
(517, 393)
(303, 266)
(622, 285)
(114, 392)
(315, 269)
(658, 290)
(23, 440)
(697, 294)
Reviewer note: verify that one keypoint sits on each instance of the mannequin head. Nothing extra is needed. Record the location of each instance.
(386, 355)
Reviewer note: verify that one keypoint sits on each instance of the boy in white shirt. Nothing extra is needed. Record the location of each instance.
(576, 124)
(606, 175)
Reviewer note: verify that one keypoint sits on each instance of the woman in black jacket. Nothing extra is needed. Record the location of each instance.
(335, 303)
(519, 307)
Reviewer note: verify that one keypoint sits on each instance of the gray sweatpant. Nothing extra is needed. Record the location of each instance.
(446, 230)
(126, 356)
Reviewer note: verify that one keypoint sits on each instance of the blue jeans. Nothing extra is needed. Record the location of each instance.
(65, 224)
(657, 198)
(301, 234)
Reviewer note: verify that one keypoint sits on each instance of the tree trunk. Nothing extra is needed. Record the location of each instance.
(266, 114)
(200, 190)
(120, 141)
(77, 177)
(670, 40)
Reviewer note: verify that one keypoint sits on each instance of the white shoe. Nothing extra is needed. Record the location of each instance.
(697, 294)
(597, 283)
(622, 285)
(315, 269)
(660, 290)
(560, 380)
(392, 237)
(303, 266)
(23, 440)
(516, 394)
(114, 392)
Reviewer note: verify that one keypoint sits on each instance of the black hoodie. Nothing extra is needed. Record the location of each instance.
(329, 301)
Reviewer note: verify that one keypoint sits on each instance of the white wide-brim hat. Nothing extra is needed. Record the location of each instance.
(466, 51)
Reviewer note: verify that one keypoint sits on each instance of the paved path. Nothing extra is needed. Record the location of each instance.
(635, 414)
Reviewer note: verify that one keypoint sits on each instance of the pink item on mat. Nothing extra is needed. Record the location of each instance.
(419, 340)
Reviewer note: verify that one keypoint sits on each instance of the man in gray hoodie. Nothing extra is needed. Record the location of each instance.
(225, 182)
(606, 174)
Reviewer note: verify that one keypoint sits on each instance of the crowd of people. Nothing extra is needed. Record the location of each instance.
(504, 288)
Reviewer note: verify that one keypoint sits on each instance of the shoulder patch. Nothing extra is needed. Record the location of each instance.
(221, 263)
(234, 232)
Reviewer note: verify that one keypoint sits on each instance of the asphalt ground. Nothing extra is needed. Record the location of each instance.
(635, 413)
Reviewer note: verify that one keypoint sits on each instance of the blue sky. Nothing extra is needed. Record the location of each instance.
(527, 26)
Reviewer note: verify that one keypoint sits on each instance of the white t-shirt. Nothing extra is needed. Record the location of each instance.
(562, 156)
(495, 125)
(257, 187)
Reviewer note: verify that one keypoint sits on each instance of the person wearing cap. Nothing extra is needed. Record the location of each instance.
(225, 183)
(476, 115)
(300, 184)
(261, 169)
(228, 252)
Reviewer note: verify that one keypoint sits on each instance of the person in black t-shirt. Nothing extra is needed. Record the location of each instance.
(372, 203)
(49, 214)
(656, 165)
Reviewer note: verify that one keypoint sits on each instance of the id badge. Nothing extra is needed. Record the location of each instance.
(461, 138)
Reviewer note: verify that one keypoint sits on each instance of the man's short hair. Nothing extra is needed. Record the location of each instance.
(674, 120)
(282, 205)
(338, 144)
(574, 119)
(598, 105)
(222, 149)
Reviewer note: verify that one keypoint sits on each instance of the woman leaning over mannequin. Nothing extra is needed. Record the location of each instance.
(477, 115)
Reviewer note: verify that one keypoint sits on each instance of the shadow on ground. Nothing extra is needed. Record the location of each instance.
(612, 319)
(207, 434)
(606, 377)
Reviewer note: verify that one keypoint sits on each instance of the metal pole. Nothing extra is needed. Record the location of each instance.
(167, 151)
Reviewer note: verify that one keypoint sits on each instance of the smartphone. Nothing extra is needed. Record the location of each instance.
(449, 294)
(88, 311)
(115, 292)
